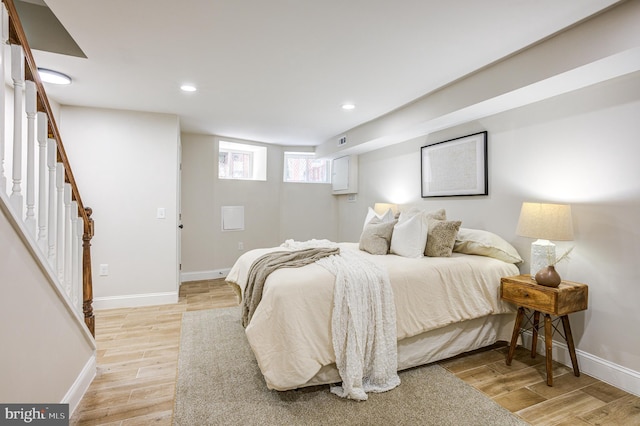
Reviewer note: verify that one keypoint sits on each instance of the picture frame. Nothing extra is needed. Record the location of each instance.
(455, 167)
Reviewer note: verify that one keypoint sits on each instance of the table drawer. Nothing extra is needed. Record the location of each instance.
(533, 298)
(567, 298)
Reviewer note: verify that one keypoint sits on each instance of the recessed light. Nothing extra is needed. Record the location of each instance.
(348, 107)
(53, 77)
(188, 88)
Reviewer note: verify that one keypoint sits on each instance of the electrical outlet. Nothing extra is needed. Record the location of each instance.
(104, 269)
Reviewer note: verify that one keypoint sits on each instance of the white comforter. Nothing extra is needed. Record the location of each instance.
(290, 332)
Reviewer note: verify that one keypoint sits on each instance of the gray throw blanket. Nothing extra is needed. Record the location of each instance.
(266, 264)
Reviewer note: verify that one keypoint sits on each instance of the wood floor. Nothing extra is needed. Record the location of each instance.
(138, 358)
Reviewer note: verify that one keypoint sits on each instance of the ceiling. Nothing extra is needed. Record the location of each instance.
(278, 71)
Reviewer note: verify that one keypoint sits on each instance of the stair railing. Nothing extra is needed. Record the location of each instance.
(36, 181)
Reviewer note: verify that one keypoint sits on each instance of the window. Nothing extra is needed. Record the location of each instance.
(304, 167)
(235, 164)
(242, 161)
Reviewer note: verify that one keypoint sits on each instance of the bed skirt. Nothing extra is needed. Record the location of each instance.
(436, 345)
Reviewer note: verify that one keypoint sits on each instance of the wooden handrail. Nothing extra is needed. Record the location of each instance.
(18, 36)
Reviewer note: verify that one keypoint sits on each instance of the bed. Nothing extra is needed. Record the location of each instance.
(444, 306)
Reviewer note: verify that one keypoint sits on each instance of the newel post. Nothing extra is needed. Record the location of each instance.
(87, 284)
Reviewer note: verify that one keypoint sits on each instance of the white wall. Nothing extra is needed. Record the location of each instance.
(126, 167)
(581, 148)
(596, 50)
(274, 211)
(575, 142)
(46, 355)
(308, 211)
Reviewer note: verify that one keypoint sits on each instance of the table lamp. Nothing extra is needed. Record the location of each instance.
(544, 222)
(381, 208)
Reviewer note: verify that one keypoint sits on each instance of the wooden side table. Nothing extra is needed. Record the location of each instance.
(524, 292)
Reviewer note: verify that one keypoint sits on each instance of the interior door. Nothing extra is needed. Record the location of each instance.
(179, 214)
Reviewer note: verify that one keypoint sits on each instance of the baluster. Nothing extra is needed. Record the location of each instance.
(73, 232)
(60, 221)
(51, 237)
(4, 36)
(79, 234)
(17, 74)
(30, 108)
(43, 125)
(67, 238)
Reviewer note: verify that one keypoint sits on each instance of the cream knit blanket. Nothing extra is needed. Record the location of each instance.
(363, 326)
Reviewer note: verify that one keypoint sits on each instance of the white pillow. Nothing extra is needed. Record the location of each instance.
(436, 214)
(485, 243)
(386, 217)
(409, 237)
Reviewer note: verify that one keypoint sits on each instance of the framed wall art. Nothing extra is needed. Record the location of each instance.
(455, 167)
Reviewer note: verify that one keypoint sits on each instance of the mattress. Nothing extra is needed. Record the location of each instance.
(290, 331)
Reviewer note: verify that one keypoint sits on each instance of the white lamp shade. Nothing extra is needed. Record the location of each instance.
(546, 221)
(381, 208)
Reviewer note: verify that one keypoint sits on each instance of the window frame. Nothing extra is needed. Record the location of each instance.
(246, 173)
(256, 167)
(308, 156)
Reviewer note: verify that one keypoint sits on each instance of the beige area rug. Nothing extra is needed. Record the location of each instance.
(219, 383)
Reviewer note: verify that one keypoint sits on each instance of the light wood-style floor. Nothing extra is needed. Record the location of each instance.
(138, 359)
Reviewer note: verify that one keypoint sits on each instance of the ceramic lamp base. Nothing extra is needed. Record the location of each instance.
(542, 252)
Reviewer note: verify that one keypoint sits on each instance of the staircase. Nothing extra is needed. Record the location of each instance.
(38, 193)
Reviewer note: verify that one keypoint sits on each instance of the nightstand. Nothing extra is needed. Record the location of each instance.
(524, 292)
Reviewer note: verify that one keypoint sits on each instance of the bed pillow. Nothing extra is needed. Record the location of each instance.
(376, 236)
(485, 243)
(441, 237)
(440, 214)
(409, 237)
(387, 216)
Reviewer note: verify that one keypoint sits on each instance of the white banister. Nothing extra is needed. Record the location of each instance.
(60, 221)
(79, 234)
(30, 109)
(66, 229)
(73, 231)
(38, 191)
(43, 207)
(51, 235)
(17, 75)
(4, 36)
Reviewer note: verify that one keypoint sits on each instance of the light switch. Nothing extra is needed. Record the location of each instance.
(104, 269)
(161, 213)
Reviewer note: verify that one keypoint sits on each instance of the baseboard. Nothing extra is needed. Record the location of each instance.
(80, 385)
(135, 300)
(603, 370)
(204, 275)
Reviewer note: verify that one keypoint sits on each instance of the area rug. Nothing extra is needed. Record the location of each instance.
(219, 383)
